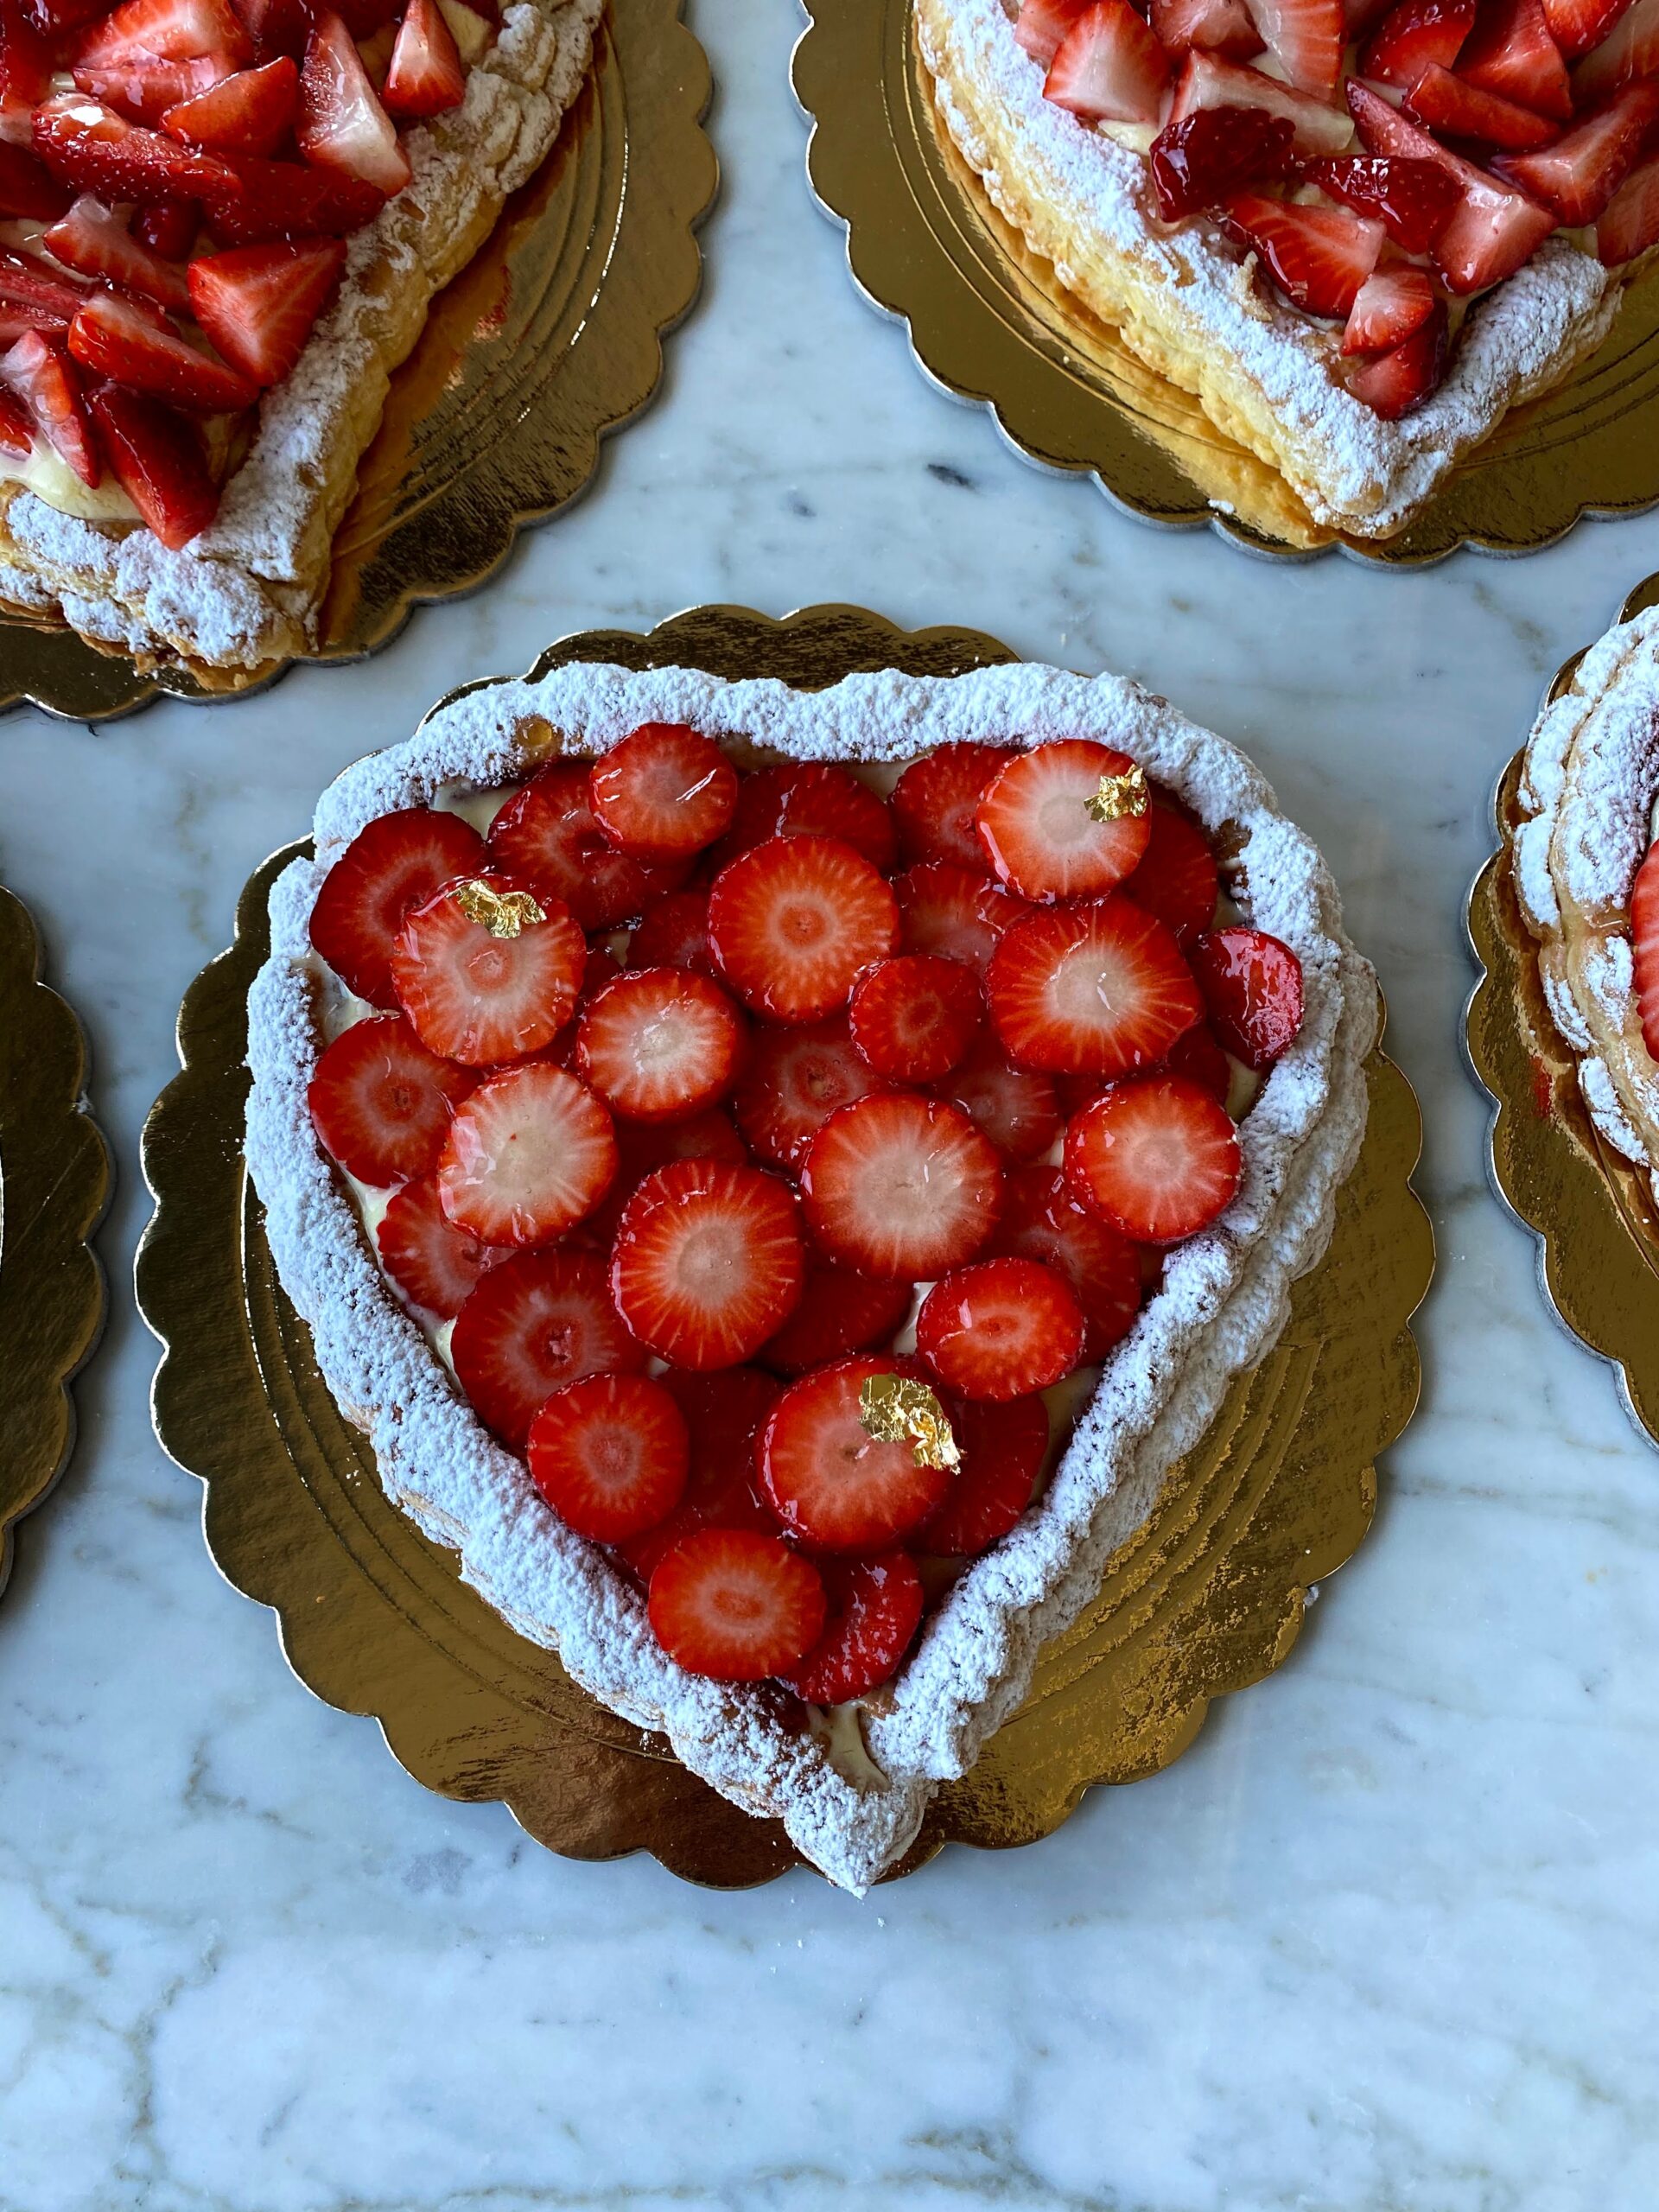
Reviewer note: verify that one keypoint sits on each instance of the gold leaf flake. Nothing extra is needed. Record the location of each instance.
(504, 913)
(897, 1410)
(1120, 795)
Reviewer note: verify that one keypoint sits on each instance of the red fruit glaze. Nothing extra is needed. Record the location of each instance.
(808, 799)
(791, 1083)
(1042, 1221)
(674, 933)
(934, 802)
(549, 836)
(1097, 989)
(1017, 1110)
(1197, 160)
(1176, 880)
(1644, 936)
(953, 912)
(723, 1413)
(840, 1313)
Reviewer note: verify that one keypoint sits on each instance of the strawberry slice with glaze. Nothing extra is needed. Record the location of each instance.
(1177, 880)
(1252, 985)
(1016, 1108)
(27, 283)
(1041, 24)
(1208, 80)
(737, 1606)
(115, 339)
(1091, 990)
(953, 912)
(1319, 257)
(549, 837)
(1039, 825)
(1001, 1328)
(708, 1262)
(248, 113)
(1415, 35)
(165, 30)
(391, 868)
(1002, 1448)
(664, 793)
(286, 199)
(1156, 1157)
(874, 1608)
(28, 190)
(536, 1323)
(1391, 304)
(487, 989)
(39, 375)
(1413, 199)
(341, 125)
(723, 1412)
(169, 227)
(1631, 52)
(1644, 945)
(435, 1265)
(382, 1103)
(93, 242)
(1042, 1221)
(610, 1454)
(1510, 52)
(259, 303)
(793, 1080)
(529, 1154)
(674, 933)
(25, 62)
(1576, 26)
(1213, 151)
(1493, 230)
(794, 921)
(1392, 383)
(840, 1313)
(1108, 67)
(896, 1185)
(16, 425)
(425, 77)
(1305, 37)
(808, 799)
(156, 458)
(1630, 223)
(1213, 26)
(144, 90)
(95, 150)
(913, 1016)
(935, 800)
(829, 1481)
(1456, 109)
(660, 1045)
(1576, 176)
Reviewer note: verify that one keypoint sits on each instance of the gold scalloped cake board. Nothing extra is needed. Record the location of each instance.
(991, 322)
(550, 339)
(1207, 1598)
(1591, 1210)
(54, 1183)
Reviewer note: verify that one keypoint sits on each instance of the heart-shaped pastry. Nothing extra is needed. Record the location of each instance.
(780, 1177)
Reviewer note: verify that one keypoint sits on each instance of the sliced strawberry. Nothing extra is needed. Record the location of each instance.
(1216, 26)
(841, 1311)
(644, 1146)
(794, 920)
(1108, 67)
(95, 150)
(157, 460)
(898, 1185)
(1015, 1108)
(1156, 1157)
(808, 799)
(1097, 989)
(610, 1454)
(96, 242)
(387, 871)
(954, 913)
(1644, 945)
(115, 339)
(143, 90)
(276, 27)
(934, 802)
(1490, 232)
(737, 1606)
(1213, 151)
(1038, 829)
(16, 425)
(1001, 1328)
(874, 1608)
(382, 1104)
(1631, 52)
(1415, 35)
(723, 1412)
(169, 227)
(550, 837)
(1176, 878)
(250, 112)
(1391, 304)
(1042, 1221)
(285, 199)
(341, 125)
(539, 1321)
(17, 321)
(1394, 383)
(435, 1264)
(1252, 985)
(530, 1154)
(1413, 199)
(1207, 80)
(166, 30)
(26, 282)
(829, 1480)
(1576, 176)
(1041, 24)
(258, 303)
(794, 1079)
(1197, 1054)
(426, 76)
(913, 1017)
(1460, 109)
(1305, 37)
(674, 933)
(664, 793)
(1578, 25)
(708, 1262)
(484, 990)
(27, 188)
(1630, 223)
(659, 1044)
(36, 372)
(25, 60)
(1510, 52)
(1319, 257)
(1002, 1449)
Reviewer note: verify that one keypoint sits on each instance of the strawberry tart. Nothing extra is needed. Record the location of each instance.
(1587, 873)
(221, 227)
(781, 1177)
(1359, 230)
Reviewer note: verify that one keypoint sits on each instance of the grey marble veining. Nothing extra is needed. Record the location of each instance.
(1382, 1941)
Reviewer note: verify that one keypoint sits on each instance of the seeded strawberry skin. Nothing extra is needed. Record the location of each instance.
(874, 1610)
(538, 1321)
(1252, 985)
(1001, 1328)
(1644, 932)
(674, 933)
(610, 1454)
(737, 1606)
(382, 1104)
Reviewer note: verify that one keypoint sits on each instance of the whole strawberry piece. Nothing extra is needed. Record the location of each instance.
(953, 912)
(659, 1044)
(896, 1185)
(435, 1264)
(529, 1154)
(664, 793)
(1042, 1221)
(708, 1262)
(875, 1611)
(1065, 820)
(381, 1102)
(794, 921)
(1001, 1328)
(736, 1604)
(829, 1480)
(487, 972)
(549, 837)
(1002, 1449)
(913, 1017)
(1158, 1157)
(723, 1412)
(538, 1321)
(388, 870)
(791, 1083)
(1096, 990)
(935, 801)
(1252, 985)
(841, 1311)
(610, 1454)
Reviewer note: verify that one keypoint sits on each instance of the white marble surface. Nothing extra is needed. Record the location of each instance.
(1382, 1941)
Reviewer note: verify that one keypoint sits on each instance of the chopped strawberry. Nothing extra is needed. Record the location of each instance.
(426, 76)
(25, 61)
(1644, 943)
(27, 188)
(674, 933)
(934, 802)
(1001, 1328)
(531, 1154)
(1217, 26)
(793, 921)
(874, 1608)
(1631, 52)
(1042, 1221)
(115, 339)
(794, 1079)
(1576, 176)
(1041, 24)
(258, 303)
(276, 27)
(157, 460)
(16, 321)
(841, 1311)
(144, 90)
(1039, 820)
(549, 837)
(1630, 223)
(49, 19)
(737, 1606)
(1390, 305)
(832, 1483)
(1091, 990)
(898, 1185)
(1156, 1157)
(1460, 109)
(250, 112)
(1578, 25)
(1490, 232)
(387, 871)
(36, 372)
(1002, 1449)
(1198, 1055)
(1305, 37)
(95, 243)
(954, 913)
(343, 126)
(435, 1264)
(27, 283)
(381, 1103)
(610, 1454)
(808, 799)
(1510, 52)
(1413, 199)
(483, 988)
(166, 30)
(659, 1044)
(1015, 1108)
(1176, 878)
(1199, 160)
(723, 1412)
(16, 425)
(1108, 67)
(1415, 35)
(364, 18)
(285, 199)
(91, 147)
(664, 793)
(539, 1321)
(708, 1262)
(913, 1017)
(169, 227)
(1392, 383)
(1252, 985)
(1208, 80)
(1319, 257)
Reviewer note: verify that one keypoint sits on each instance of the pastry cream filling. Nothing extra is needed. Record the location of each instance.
(50, 477)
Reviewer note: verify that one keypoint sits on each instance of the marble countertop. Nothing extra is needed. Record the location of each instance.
(1382, 1941)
